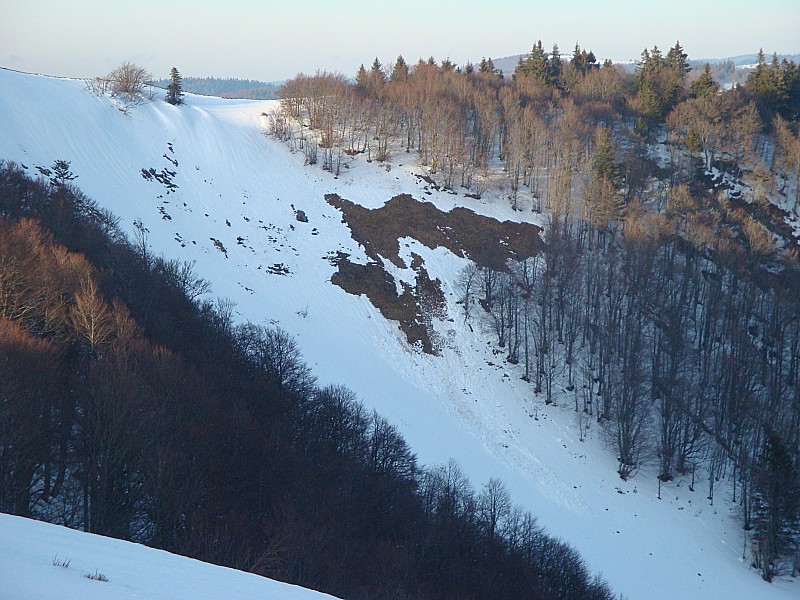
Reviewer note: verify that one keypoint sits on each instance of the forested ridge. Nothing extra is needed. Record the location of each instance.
(130, 408)
(665, 304)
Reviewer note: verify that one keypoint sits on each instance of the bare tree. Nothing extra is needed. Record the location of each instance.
(129, 79)
(494, 507)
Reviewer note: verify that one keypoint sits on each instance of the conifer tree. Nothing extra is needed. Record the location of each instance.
(678, 59)
(486, 66)
(175, 87)
(704, 86)
(775, 86)
(376, 71)
(362, 79)
(660, 81)
(591, 61)
(535, 64)
(554, 66)
(583, 61)
(400, 69)
(576, 60)
(376, 78)
(61, 173)
(780, 89)
(605, 165)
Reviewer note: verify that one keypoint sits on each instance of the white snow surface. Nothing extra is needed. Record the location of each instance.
(455, 405)
(29, 549)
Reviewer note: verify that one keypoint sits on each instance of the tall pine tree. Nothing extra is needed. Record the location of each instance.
(175, 87)
(400, 69)
(535, 64)
(704, 86)
(605, 164)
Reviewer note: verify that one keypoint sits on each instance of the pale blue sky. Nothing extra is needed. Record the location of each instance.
(273, 40)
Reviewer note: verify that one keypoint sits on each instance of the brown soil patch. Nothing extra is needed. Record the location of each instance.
(486, 241)
(373, 281)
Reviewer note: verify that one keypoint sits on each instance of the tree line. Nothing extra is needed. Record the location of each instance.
(132, 407)
(539, 127)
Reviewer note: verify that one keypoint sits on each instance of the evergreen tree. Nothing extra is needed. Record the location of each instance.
(376, 71)
(677, 59)
(649, 101)
(656, 58)
(583, 61)
(486, 66)
(362, 79)
(535, 64)
(554, 66)
(577, 60)
(791, 76)
(175, 87)
(759, 81)
(400, 69)
(775, 87)
(660, 82)
(605, 164)
(591, 61)
(61, 174)
(377, 78)
(779, 85)
(704, 86)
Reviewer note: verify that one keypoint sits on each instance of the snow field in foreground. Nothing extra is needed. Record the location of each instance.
(44, 561)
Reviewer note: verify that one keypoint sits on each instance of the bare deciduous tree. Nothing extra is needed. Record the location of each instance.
(129, 79)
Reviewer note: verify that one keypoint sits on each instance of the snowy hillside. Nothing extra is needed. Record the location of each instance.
(208, 185)
(39, 560)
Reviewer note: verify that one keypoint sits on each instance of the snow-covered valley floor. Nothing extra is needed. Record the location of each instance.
(239, 190)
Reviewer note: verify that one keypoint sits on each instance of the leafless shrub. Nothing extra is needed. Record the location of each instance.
(128, 79)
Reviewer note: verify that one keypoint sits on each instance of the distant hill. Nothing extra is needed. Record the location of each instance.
(506, 64)
(228, 87)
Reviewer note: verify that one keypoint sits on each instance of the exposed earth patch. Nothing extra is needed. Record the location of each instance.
(486, 241)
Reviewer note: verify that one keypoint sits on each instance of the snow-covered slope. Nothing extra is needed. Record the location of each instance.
(238, 190)
(44, 561)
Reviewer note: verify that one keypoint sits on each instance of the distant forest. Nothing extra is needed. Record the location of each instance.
(725, 70)
(227, 88)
